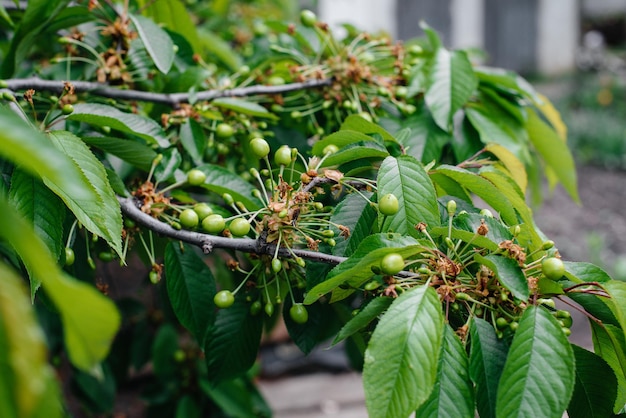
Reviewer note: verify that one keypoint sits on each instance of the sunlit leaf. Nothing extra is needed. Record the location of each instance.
(157, 42)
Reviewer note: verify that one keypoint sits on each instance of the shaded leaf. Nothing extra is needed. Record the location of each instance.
(406, 178)
(175, 17)
(356, 213)
(191, 288)
(132, 152)
(595, 388)
(41, 208)
(157, 42)
(488, 355)
(356, 151)
(193, 140)
(220, 180)
(100, 214)
(399, 377)
(453, 394)
(610, 345)
(244, 106)
(103, 115)
(232, 343)
(366, 315)
(538, 377)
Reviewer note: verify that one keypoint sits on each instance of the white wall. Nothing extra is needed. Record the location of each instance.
(468, 22)
(369, 15)
(558, 36)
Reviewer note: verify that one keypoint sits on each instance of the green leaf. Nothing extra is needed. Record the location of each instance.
(587, 272)
(453, 394)
(554, 152)
(508, 272)
(399, 377)
(193, 140)
(488, 354)
(451, 82)
(90, 320)
(232, 343)
(109, 116)
(244, 106)
(342, 139)
(359, 124)
(617, 290)
(538, 377)
(610, 345)
(358, 268)
(167, 169)
(5, 17)
(472, 221)
(100, 214)
(162, 353)
(33, 152)
(36, 18)
(27, 383)
(42, 208)
(595, 388)
(366, 315)
(191, 288)
(356, 213)
(406, 178)
(220, 180)
(130, 151)
(175, 17)
(157, 42)
(218, 48)
(484, 189)
(238, 398)
(356, 151)
(465, 236)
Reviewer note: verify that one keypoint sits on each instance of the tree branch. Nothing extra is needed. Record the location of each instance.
(207, 243)
(172, 99)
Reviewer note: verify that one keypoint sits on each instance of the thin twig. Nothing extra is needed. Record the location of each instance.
(209, 242)
(172, 99)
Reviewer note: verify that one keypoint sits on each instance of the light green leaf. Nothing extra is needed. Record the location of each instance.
(342, 139)
(538, 377)
(451, 82)
(218, 48)
(358, 268)
(399, 377)
(244, 106)
(90, 320)
(130, 151)
(465, 236)
(42, 208)
(357, 151)
(359, 124)
(610, 345)
(221, 180)
(129, 123)
(617, 290)
(157, 42)
(508, 272)
(232, 343)
(33, 152)
(100, 214)
(406, 178)
(487, 357)
(191, 288)
(554, 152)
(27, 383)
(366, 315)
(595, 389)
(586, 272)
(175, 17)
(5, 17)
(484, 189)
(453, 394)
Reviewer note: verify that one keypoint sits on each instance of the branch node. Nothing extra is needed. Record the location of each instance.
(207, 247)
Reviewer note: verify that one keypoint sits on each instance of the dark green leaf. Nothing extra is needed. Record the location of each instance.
(357, 151)
(221, 180)
(471, 221)
(366, 315)
(163, 348)
(188, 407)
(101, 213)
(508, 272)
(342, 139)
(358, 124)
(42, 208)
(175, 17)
(399, 377)
(357, 214)
(218, 48)
(238, 398)
(538, 377)
(453, 394)
(130, 151)
(191, 288)
(157, 42)
(193, 139)
(232, 343)
(610, 345)
(243, 106)
(451, 83)
(487, 357)
(595, 389)
(109, 116)
(554, 152)
(167, 169)
(358, 268)
(97, 393)
(406, 178)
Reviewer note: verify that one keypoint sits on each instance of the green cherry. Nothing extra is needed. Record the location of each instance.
(392, 264)
(388, 204)
(188, 218)
(553, 268)
(298, 313)
(239, 227)
(224, 130)
(224, 299)
(260, 148)
(282, 156)
(196, 177)
(213, 224)
(69, 256)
